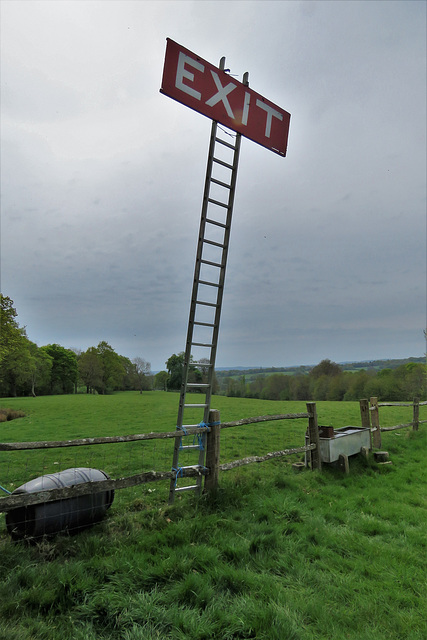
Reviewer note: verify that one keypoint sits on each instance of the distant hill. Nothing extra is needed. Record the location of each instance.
(369, 365)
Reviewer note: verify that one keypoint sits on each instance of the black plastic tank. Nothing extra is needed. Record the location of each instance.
(70, 514)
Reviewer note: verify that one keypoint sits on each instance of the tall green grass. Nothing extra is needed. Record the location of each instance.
(271, 555)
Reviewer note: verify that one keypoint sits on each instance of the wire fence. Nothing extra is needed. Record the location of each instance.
(51, 482)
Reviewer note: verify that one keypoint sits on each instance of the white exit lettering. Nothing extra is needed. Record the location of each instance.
(222, 93)
(271, 112)
(181, 73)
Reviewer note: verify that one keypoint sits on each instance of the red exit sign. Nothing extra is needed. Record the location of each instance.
(199, 85)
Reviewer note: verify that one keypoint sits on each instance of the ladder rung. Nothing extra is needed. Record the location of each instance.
(207, 304)
(205, 324)
(195, 406)
(221, 183)
(224, 164)
(203, 385)
(215, 244)
(200, 364)
(226, 144)
(188, 426)
(189, 446)
(210, 284)
(212, 264)
(220, 204)
(218, 224)
(189, 488)
(201, 344)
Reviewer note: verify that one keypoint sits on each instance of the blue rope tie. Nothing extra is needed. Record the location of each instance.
(199, 438)
(185, 433)
(212, 424)
(5, 490)
(179, 472)
(182, 429)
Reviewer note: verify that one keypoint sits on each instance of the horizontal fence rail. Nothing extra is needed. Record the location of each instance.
(25, 500)
(285, 416)
(268, 456)
(80, 442)
(401, 404)
(87, 488)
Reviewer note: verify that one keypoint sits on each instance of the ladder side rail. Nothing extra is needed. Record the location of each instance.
(232, 191)
(220, 286)
(194, 294)
(227, 232)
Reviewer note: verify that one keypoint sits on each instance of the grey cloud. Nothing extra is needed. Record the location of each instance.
(102, 179)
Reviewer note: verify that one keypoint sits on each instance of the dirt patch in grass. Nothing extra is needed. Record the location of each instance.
(10, 414)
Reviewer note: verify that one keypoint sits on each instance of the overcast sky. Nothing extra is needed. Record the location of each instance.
(102, 178)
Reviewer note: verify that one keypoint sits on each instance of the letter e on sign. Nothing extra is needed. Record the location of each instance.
(203, 87)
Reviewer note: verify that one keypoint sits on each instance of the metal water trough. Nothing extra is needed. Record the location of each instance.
(345, 441)
(70, 514)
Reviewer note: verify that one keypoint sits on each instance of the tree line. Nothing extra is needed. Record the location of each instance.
(328, 381)
(26, 369)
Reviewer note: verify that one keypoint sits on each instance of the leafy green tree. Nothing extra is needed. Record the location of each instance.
(390, 385)
(90, 369)
(113, 370)
(64, 374)
(256, 387)
(142, 374)
(357, 385)
(15, 354)
(276, 387)
(413, 380)
(175, 368)
(161, 380)
(129, 381)
(325, 368)
(337, 387)
(40, 368)
(319, 386)
(10, 333)
(300, 388)
(16, 368)
(236, 387)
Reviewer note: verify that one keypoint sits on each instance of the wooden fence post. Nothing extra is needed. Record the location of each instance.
(416, 414)
(212, 450)
(375, 421)
(313, 436)
(365, 418)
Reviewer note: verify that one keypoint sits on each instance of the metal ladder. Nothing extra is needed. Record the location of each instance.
(206, 300)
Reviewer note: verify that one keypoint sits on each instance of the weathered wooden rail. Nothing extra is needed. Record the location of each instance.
(369, 412)
(211, 471)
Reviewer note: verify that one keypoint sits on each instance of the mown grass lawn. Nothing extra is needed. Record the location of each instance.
(273, 555)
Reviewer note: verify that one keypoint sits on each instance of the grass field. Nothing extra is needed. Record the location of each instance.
(273, 555)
